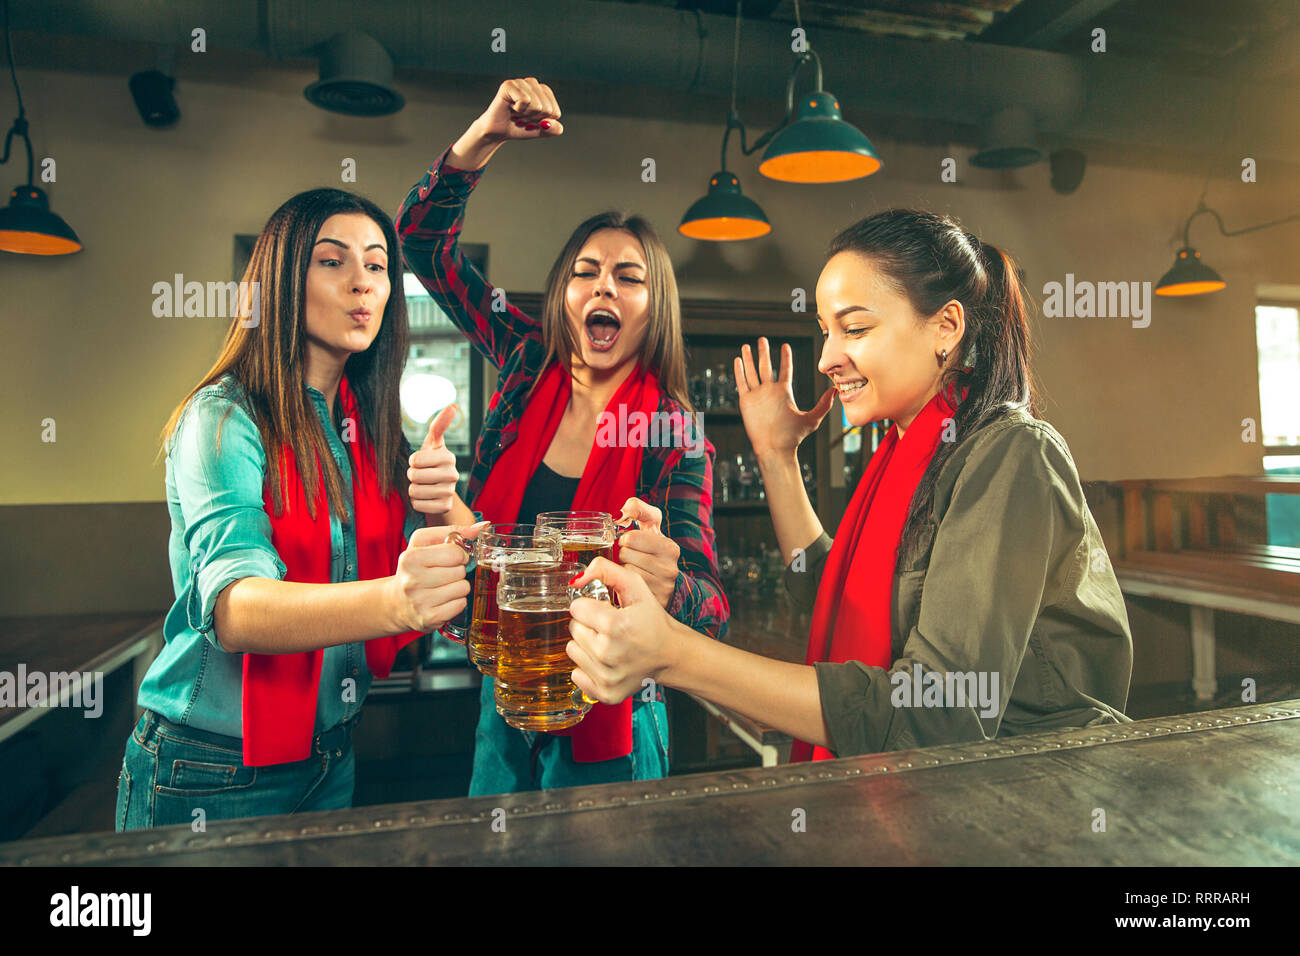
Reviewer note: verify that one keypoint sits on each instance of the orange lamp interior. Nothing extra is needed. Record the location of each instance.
(819, 166)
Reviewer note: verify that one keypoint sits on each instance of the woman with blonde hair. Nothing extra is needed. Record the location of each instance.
(607, 348)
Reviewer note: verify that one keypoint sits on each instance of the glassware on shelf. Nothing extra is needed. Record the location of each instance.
(744, 478)
(725, 479)
(724, 389)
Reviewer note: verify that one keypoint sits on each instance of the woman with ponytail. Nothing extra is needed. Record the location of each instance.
(967, 593)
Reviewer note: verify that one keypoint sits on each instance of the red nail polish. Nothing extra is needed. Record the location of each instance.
(574, 580)
(519, 123)
(546, 124)
(531, 126)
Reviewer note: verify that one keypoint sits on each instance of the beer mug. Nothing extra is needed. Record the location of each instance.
(585, 534)
(497, 546)
(534, 686)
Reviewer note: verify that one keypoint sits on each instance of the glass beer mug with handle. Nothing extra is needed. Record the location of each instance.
(585, 534)
(534, 688)
(496, 546)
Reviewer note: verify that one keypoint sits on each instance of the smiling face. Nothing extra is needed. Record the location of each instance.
(606, 302)
(882, 357)
(348, 272)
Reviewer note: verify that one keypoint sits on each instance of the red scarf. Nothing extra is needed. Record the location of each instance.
(609, 479)
(280, 689)
(853, 616)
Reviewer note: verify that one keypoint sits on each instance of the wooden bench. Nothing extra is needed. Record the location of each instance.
(1186, 540)
(75, 644)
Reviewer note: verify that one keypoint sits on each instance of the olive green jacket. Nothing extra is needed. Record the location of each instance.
(1010, 587)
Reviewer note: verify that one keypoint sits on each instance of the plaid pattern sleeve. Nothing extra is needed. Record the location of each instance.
(428, 230)
(685, 495)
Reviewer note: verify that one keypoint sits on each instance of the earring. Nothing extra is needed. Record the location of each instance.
(943, 358)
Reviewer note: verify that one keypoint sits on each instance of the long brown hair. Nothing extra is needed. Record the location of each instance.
(932, 260)
(268, 359)
(664, 351)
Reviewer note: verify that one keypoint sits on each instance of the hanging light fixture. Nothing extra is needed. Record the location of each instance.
(27, 226)
(726, 214)
(1189, 275)
(819, 146)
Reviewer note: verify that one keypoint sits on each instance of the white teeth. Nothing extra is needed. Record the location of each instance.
(849, 389)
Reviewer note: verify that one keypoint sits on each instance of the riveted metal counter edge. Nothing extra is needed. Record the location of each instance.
(70, 850)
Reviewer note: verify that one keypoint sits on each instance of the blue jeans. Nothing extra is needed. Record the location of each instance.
(168, 772)
(503, 756)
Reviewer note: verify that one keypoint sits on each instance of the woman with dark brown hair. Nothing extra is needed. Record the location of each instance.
(607, 349)
(967, 593)
(294, 582)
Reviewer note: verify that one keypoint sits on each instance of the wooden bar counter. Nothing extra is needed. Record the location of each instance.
(1211, 788)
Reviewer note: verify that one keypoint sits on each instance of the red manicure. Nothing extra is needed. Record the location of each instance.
(546, 124)
(531, 126)
(574, 580)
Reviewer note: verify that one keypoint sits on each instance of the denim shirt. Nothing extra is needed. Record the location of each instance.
(220, 533)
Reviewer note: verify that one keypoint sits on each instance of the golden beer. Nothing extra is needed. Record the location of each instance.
(534, 689)
(497, 547)
(585, 534)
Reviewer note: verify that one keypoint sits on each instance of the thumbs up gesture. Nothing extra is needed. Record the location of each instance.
(433, 472)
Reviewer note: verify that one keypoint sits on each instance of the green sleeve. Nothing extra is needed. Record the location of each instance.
(804, 573)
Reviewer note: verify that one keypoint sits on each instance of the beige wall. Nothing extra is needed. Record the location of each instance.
(84, 348)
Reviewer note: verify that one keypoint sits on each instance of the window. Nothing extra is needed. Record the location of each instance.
(1277, 335)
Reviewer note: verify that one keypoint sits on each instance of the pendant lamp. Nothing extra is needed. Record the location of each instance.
(27, 226)
(725, 213)
(1189, 275)
(819, 146)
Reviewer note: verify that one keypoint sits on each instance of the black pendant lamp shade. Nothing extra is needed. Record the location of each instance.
(1189, 276)
(28, 226)
(819, 146)
(725, 213)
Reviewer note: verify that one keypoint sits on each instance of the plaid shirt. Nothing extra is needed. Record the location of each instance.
(428, 227)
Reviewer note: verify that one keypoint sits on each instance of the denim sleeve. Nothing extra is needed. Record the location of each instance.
(227, 529)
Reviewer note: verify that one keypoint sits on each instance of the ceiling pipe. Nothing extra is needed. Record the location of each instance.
(1085, 98)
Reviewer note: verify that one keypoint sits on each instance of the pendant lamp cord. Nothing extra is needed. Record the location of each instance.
(20, 124)
(733, 117)
(1202, 208)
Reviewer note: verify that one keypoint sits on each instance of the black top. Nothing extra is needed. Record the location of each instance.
(547, 491)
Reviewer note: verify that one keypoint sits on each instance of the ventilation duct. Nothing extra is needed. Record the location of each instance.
(356, 78)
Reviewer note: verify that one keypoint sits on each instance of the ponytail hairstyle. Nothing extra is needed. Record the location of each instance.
(931, 260)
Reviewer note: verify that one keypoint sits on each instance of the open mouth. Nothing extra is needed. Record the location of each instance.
(850, 390)
(602, 329)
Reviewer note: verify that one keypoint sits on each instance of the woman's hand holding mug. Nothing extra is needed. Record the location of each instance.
(648, 551)
(616, 648)
(429, 587)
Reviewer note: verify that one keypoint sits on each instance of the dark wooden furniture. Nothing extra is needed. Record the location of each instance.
(74, 644)
(1210, 788)
(1200, 542)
